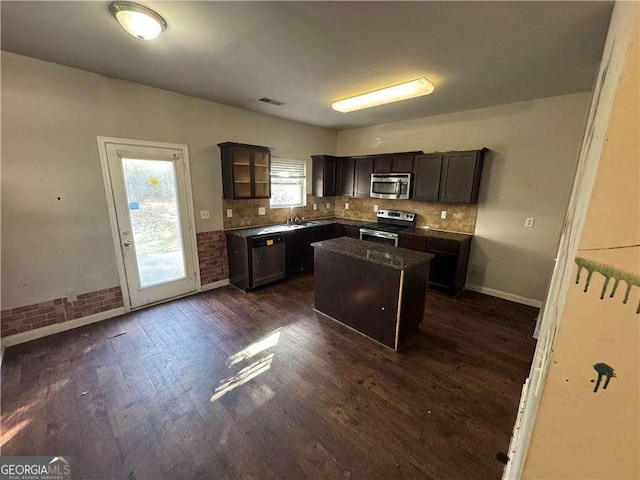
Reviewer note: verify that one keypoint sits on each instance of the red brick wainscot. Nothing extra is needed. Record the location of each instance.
(212, 256)
(59, 310)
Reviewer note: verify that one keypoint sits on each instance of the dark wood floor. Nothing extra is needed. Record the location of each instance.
(130, 397)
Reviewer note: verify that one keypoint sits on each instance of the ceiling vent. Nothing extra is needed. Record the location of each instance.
(271, 101)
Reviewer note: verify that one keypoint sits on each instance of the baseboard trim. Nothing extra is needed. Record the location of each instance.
(214, 285)
(507, 296)
(80, 322)
(60, 327)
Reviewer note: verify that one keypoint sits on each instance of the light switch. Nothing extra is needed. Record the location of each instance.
(443, 214)
(328, 206)
(261, 211)
(229, 213)
(204, 214)
(529, 222)
(375, 208)
(346, 206)
(315, 206)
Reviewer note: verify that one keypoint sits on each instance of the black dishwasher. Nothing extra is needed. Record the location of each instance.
(268, 255)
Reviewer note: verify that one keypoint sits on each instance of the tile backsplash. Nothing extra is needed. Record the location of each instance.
(460, 218)
(245, 212)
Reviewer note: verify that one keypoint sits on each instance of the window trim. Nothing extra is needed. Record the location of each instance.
(294, 161)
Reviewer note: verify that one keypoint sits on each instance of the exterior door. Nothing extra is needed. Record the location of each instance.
(151, 200)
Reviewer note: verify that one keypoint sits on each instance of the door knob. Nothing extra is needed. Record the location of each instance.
(127, 243)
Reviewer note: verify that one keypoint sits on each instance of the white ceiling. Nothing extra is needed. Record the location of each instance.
(309, 54)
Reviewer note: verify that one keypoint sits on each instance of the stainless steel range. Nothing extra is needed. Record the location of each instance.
(387, 228)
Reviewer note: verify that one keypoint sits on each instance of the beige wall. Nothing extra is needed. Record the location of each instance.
(51, 116)
(528, 173)
(580, 433)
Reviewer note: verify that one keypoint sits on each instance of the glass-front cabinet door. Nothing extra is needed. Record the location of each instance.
(262, 182)
(245, 170)
(241, 161)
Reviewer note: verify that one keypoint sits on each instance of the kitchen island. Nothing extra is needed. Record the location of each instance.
(376, 289)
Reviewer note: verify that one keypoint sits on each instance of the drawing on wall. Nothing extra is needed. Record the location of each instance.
(603, 370)
(608, 272)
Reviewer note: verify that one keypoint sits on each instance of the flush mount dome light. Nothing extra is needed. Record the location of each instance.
(141, 22)
(414, 88)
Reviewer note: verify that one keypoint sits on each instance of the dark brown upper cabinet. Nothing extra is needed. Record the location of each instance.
(324, 175)
(345, 178)
(363, 171)
(351, 176)
(460, 176)
(245, 170)
(426, 181)
(402, 163)
(382, 164)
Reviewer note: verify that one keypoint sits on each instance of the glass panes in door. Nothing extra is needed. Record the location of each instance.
(155, 220)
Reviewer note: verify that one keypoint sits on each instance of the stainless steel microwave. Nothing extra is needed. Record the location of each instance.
(390, 185)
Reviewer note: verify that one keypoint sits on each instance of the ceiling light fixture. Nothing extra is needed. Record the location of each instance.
(414, 88)
(141, 22)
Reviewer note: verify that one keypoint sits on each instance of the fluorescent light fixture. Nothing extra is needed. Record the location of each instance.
(412, 89)
(140, 21)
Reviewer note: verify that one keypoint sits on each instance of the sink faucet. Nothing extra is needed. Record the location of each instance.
(292, 219)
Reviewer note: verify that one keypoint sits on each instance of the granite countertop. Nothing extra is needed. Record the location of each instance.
(264, 230)
(283, 227)
(427, 232)
(378, 253)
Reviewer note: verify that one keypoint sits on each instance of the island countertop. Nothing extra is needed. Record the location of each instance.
(378, 253)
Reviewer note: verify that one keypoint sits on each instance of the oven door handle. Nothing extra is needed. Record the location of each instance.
(376, 233)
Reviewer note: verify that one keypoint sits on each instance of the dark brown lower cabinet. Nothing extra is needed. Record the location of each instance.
(448, 270)
(366, 296)
(318, 234)
(347, 231)
(297, 252)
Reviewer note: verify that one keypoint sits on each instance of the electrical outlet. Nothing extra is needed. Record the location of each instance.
(375, 208)
(71, 296)
(346, 206)
(315, 206)
(229, 213)
(529, 222)
(443, 214)
(328, 206)
(204, 214)
(261, 211)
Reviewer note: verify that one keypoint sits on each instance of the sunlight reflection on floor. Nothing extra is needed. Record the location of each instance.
(243, 376)
(7, 435)
(247, 373)
(269, 341)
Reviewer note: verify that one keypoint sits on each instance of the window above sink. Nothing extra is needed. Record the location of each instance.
(288, 183)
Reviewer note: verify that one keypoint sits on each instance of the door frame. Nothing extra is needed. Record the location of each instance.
(113, 220)
(604, 93)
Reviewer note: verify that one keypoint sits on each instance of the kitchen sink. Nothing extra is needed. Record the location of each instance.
(305, 223)
(286, 227)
